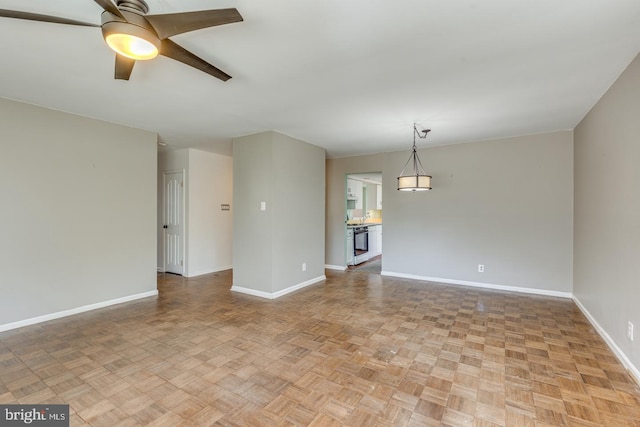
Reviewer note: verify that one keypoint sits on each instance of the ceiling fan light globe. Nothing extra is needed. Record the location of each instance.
(131, 40)
(132, 46)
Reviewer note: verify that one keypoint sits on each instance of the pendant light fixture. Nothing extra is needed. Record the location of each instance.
(415, 179)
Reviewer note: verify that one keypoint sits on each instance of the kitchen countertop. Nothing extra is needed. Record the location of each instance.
(366, 224)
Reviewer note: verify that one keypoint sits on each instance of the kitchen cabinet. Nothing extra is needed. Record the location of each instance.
(379, 198)
(354, 192)
(372, 196)
(375, 240)
(350, 260)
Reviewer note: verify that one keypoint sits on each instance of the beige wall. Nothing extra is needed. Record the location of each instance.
(79, 212)
(607, 212)
(210, 228)
(505, 203)
(269, 247)
(252, 228)
(298, 211)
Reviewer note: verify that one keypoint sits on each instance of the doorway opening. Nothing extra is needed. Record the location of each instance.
(363, 218)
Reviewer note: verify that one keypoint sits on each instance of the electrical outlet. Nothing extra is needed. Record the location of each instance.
(480, 268)
(304, 266)
(630, 330)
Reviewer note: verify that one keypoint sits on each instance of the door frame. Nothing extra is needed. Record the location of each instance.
(164, 218)
(365, 196)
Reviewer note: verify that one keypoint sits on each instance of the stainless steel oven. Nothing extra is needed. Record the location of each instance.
(360, 244)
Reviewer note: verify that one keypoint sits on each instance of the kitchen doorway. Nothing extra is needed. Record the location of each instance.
(363, 219)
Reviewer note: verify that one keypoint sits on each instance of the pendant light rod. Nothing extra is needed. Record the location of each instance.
(418, 180)
(415, 132)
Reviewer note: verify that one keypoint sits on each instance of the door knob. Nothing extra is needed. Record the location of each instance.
(165, 226)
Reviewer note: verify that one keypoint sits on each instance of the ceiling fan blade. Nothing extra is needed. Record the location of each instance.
(177, 23)
(177, 52)
(42, 18)
(124, 66)
(110, 7)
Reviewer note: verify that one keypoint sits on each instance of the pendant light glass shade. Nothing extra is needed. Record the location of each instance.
(415, 179)
(414, 183)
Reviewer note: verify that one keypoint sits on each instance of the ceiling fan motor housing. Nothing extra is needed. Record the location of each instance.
(136, 6)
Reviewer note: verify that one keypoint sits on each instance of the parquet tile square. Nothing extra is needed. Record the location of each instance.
(355, 350)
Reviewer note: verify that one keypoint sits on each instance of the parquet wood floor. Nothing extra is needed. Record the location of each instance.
(356, 350)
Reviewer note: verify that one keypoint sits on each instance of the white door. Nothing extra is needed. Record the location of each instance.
(174, 222)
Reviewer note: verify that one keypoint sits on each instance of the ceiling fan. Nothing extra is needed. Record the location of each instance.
(134, 35)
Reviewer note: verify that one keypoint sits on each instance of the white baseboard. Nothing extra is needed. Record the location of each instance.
(253, 292)
(160, 270)
(278, 294)
(633, 370)
(208, 271)
(77, 310)
(335, 267)
(544, 292)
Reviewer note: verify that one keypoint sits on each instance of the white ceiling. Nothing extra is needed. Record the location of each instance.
(349, 76)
